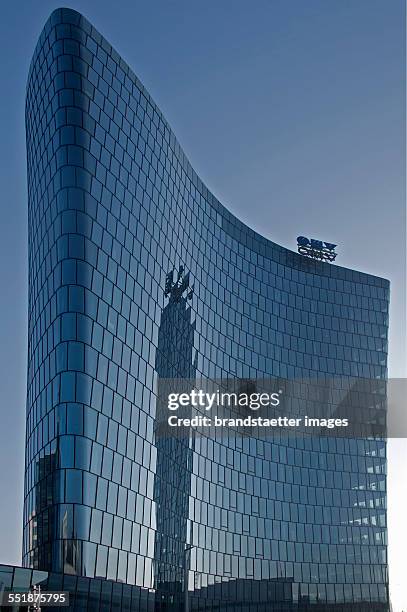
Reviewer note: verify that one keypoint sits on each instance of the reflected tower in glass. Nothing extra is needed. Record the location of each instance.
(172, 482)
(114, 205)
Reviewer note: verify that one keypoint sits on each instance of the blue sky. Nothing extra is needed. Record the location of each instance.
(291, 111)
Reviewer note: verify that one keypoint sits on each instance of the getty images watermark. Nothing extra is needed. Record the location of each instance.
(204, 401)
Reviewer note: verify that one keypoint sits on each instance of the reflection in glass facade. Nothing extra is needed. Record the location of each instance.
(114, 205)
(175, 360)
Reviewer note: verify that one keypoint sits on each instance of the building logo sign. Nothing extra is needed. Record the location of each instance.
(316, 249)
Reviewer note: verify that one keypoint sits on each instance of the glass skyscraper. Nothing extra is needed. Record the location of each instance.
(240, 523)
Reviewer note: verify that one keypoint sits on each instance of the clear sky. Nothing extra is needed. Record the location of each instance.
(291, 111)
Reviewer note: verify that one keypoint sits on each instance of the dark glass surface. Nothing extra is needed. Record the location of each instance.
(113, 206)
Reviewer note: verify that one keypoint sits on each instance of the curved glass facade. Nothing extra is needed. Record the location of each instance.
(113, 206)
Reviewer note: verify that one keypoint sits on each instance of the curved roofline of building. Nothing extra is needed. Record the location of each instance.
(250, 236)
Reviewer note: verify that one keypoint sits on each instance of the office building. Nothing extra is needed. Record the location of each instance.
(114, 208)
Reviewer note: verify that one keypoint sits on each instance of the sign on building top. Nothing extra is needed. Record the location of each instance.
(316, 249)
